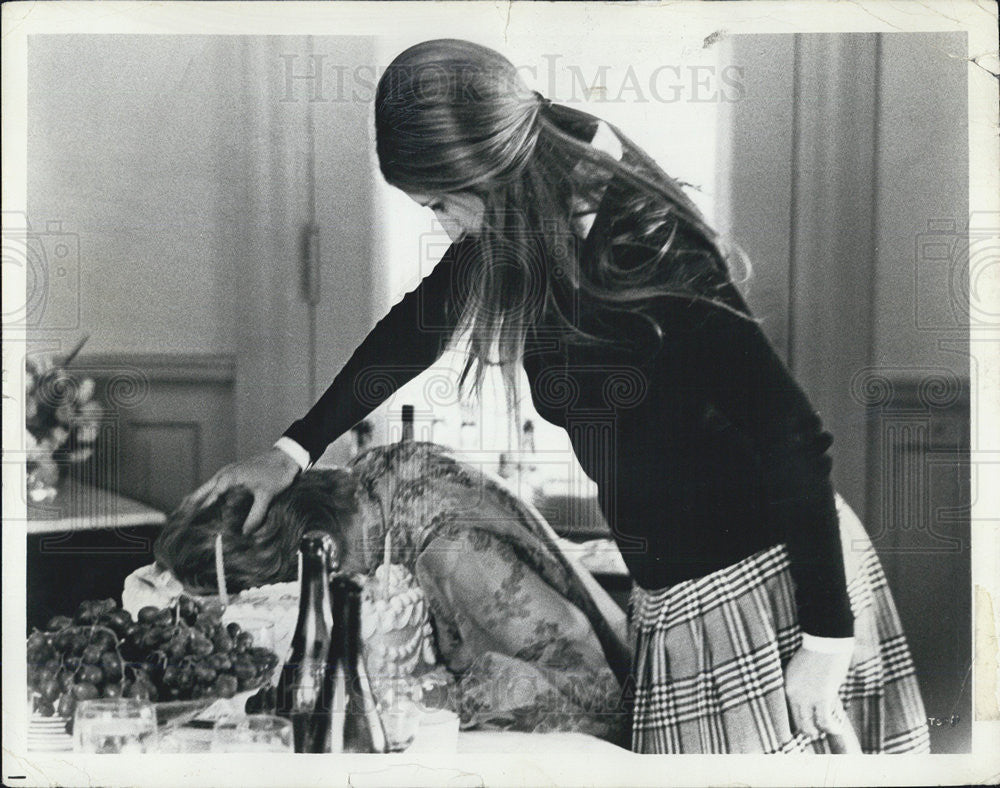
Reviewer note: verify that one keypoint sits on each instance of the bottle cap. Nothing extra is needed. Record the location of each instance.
(321, 543)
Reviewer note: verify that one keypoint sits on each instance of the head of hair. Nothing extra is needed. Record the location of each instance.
(454, 116)
(323, 500)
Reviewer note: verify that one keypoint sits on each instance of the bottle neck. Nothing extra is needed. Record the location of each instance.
(314, 597)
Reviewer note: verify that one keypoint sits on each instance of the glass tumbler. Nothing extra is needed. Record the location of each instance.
(400, 709)
(256, 733)
(261, 629)
(114, 726)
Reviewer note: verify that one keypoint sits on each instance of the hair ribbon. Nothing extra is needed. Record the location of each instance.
(543, 102)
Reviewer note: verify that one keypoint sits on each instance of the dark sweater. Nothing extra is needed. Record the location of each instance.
(703, 447)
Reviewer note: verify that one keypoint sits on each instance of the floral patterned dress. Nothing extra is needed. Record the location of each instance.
(528, 641)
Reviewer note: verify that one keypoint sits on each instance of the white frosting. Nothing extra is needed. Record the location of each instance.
(395, 624)
(277, 603)
(390, 580)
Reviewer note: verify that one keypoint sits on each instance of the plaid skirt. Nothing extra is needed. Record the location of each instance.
(710, 653)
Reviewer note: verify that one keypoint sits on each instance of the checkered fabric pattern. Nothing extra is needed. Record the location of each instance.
(710, 652)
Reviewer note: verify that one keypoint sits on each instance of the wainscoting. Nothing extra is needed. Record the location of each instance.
(169, 422)
(918, 517)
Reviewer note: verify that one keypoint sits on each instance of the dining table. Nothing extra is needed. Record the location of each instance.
(81, 544)
(437, 733)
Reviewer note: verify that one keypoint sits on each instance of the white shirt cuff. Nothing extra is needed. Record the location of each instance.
(294, 450)
(827, 645)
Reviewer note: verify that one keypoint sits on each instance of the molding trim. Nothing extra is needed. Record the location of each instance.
(206, 368)
(918, 461)
(936, 391)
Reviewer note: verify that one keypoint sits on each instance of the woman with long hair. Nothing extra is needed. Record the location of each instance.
(575, 256)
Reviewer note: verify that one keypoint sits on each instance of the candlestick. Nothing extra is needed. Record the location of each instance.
(386, 560)
(220, 571)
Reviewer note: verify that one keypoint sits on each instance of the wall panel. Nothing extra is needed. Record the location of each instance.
(919, 522)
(169, 422)
(838, 201)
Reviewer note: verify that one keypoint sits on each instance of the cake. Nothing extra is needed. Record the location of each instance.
(395, 625)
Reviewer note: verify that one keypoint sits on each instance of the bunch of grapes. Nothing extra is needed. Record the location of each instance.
(181, 652)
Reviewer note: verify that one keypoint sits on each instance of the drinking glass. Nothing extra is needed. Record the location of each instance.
(114, 725)
(261, 628)
(256, 733)
(400, 709)
(184, 739)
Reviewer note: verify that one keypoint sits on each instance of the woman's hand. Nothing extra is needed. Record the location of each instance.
(812, 686)
(265, 475)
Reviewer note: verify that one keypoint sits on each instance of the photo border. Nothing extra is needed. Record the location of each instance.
(542, 22)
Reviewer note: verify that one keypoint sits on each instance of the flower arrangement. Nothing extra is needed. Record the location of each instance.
(62, 421)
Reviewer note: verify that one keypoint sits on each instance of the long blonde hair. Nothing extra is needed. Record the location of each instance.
(454, 116)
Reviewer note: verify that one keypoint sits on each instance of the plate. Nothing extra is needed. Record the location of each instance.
(48, 734)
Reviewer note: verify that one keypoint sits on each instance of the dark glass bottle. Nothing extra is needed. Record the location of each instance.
(355, 725)
(362, 432)
(407, 418)
(300, 684)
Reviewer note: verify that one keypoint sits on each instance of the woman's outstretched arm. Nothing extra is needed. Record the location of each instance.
(400, 346)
